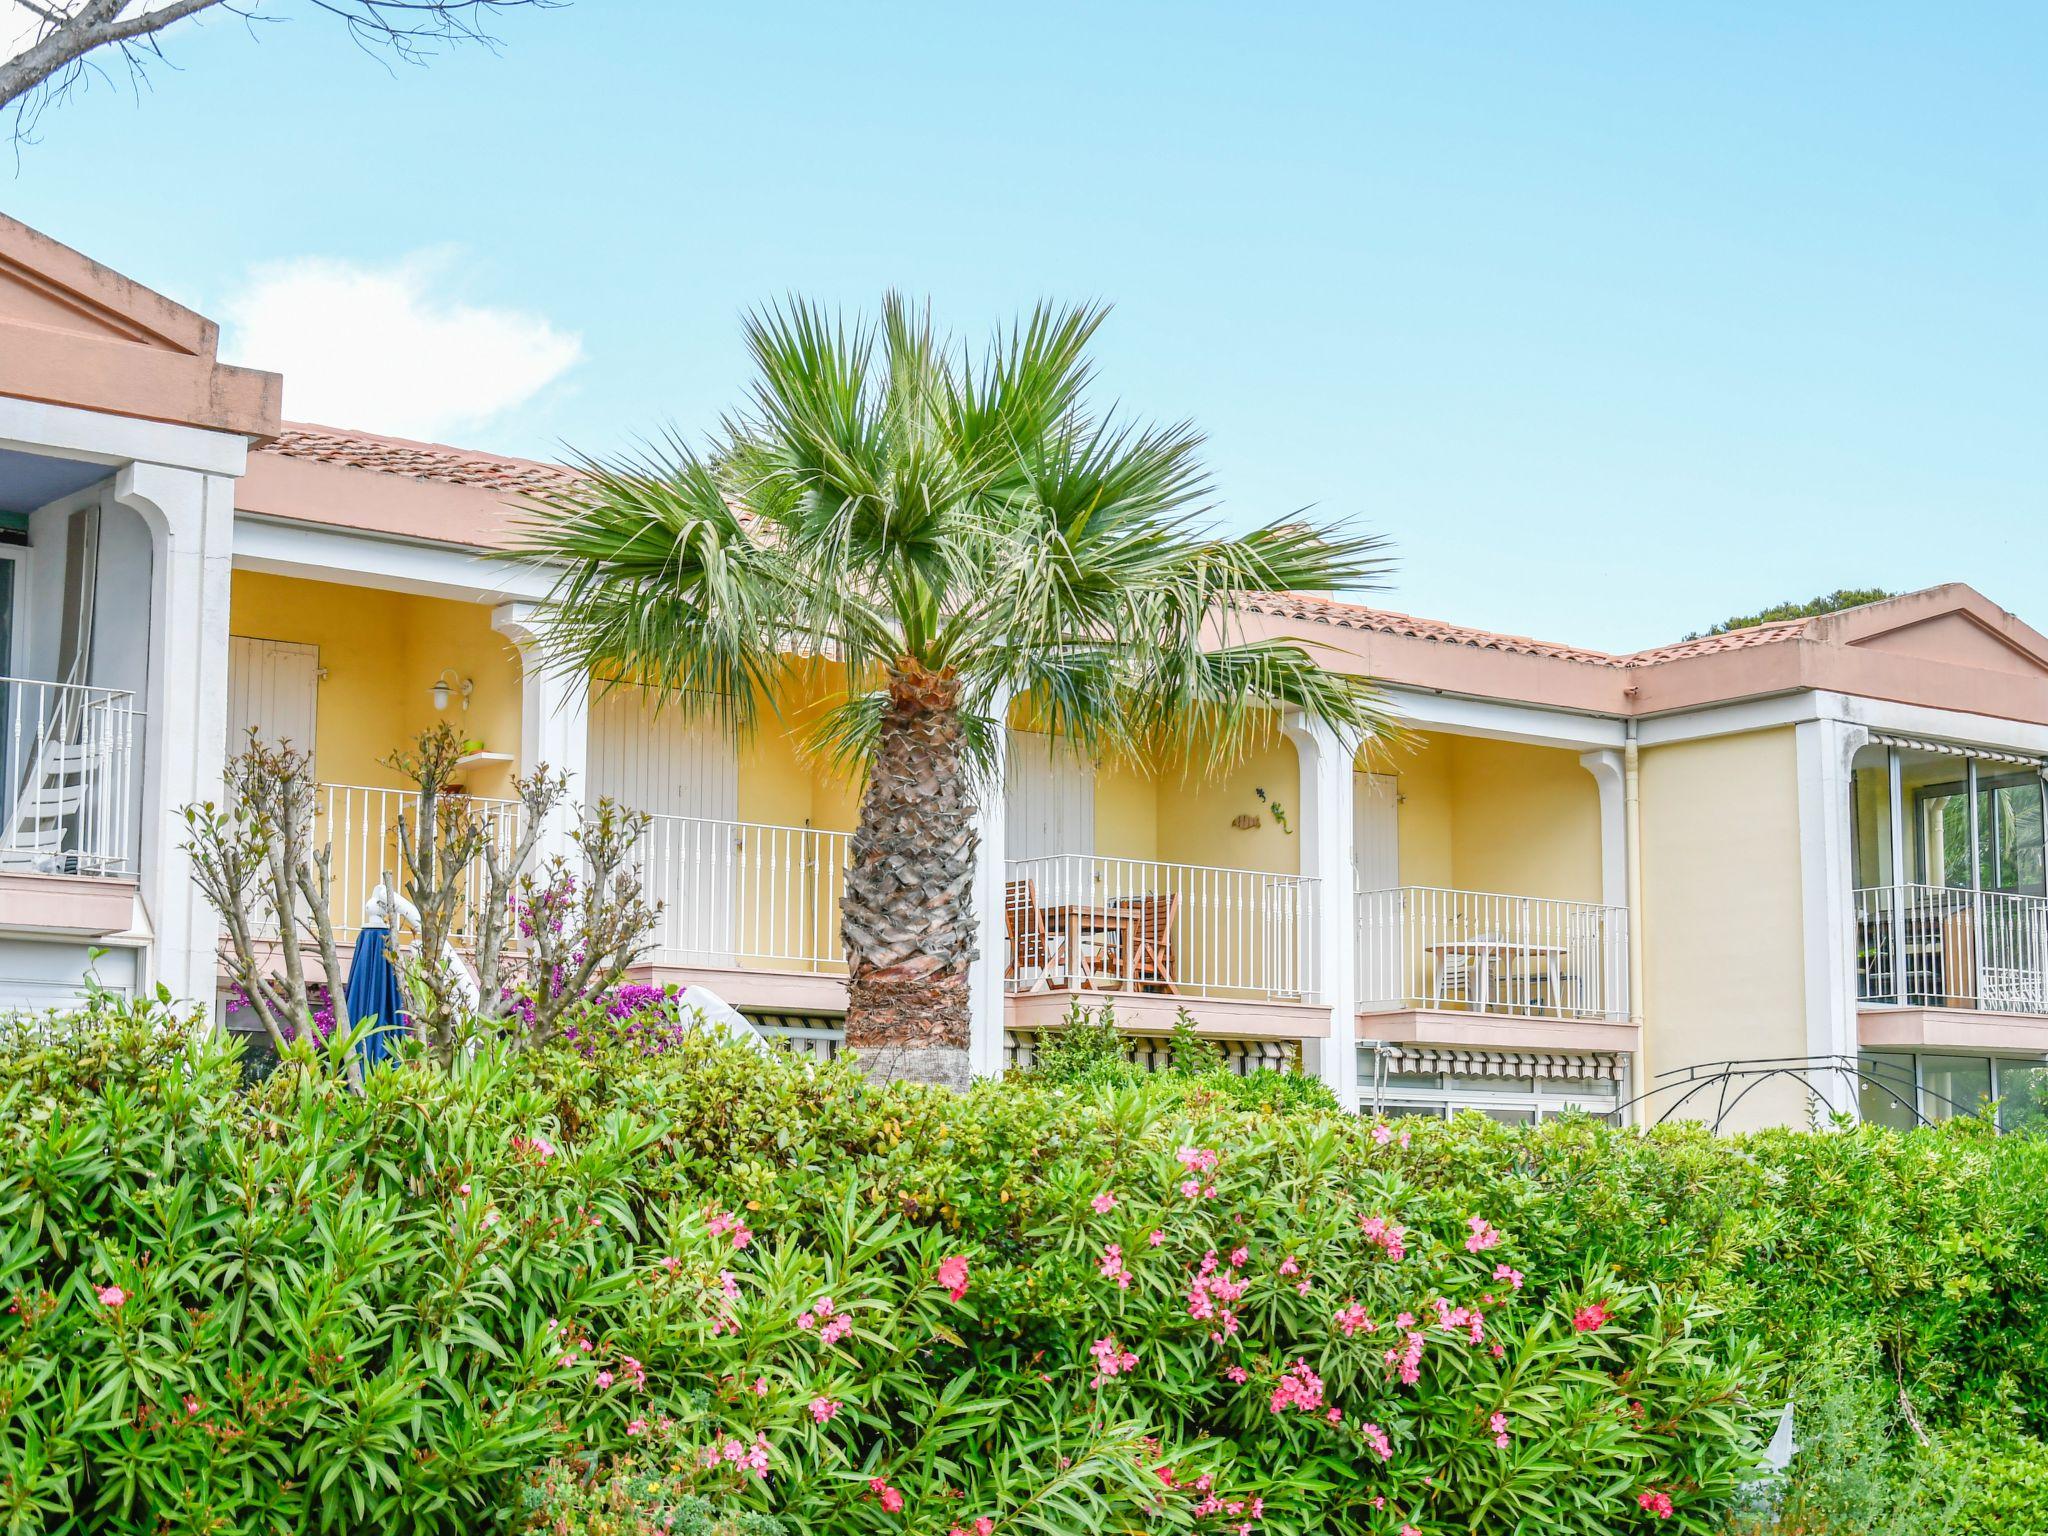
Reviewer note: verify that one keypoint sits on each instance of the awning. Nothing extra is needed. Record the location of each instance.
(1954, 749)
(1573, 1066)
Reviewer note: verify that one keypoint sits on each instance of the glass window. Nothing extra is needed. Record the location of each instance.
(2023, 1096)
(1934, 792)
(2009, 831)
(1508, 1116)
(1953, 1085)
(1489, 1085)
(1888, 1094)
(1427, 1111)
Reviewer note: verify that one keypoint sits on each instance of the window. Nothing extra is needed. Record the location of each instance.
(1902, 1089)
(1510, 1100)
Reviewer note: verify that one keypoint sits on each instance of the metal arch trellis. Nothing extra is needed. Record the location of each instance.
(1810, 1072)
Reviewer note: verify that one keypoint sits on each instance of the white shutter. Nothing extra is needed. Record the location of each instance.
(274, 687)
(662, 761)
(682, 770)
(1049, 799)
(1377, 832)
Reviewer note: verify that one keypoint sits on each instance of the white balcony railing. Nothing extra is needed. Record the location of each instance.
(67, 778)
(1427, 947)
(1079, 921)
(359, 823)
(1938, 947)
(745, 893)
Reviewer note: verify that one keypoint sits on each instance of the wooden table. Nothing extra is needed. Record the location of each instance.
(1077, 918)
(1487, 956)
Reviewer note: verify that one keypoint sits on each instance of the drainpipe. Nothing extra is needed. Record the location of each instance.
(1632, 837)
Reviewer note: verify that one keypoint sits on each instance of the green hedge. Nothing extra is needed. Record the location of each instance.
(514, 1293)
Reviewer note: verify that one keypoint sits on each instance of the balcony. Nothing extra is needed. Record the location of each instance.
(359, 823)
(1484, 969)
(1236, 947)
(67, 766)
(749, 909)
(1949, 966)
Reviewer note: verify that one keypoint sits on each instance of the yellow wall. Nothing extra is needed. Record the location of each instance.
(381, 652)
(1194, 813)
(779, 783)
(1126, 813)
(1723, 948)
(1483, 815)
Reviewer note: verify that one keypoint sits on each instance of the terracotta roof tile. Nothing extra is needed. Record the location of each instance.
(1313, 608)
(418, 461)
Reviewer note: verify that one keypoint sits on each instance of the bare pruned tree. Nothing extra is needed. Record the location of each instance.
(57, 44)
(256, 859)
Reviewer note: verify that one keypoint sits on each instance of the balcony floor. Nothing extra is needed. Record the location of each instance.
(87, 906)
(1887, 1026)
(1495, 1031)
(1153, 1013)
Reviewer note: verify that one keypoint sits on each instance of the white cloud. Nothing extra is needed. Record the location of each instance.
(387, 349)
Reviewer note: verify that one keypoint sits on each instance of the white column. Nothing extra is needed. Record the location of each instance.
(1324, 816)
(1825, 750)
(1606, 767)
(985, 974)
(554, 719)
(183, 742)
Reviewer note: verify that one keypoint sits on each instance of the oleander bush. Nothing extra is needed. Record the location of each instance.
(637, 1281)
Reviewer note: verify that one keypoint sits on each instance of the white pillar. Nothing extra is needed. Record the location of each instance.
(1606, 767)
(554, 720)
(191, 517)
(1826, 749)
(985, 974)
(1324, 820)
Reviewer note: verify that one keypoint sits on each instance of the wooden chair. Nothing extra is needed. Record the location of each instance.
(1035, 950)
(1148, 963)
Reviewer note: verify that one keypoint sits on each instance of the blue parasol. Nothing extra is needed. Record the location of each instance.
(373, 983)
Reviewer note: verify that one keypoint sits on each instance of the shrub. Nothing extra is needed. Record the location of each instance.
(553, 1288)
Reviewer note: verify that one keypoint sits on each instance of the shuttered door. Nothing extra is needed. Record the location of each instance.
(1377, 832)
(1049, 815)
(683, 772)
(274, 689)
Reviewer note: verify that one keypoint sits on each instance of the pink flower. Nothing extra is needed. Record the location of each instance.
(1239, 1257)
(953, 1276)
(983, 1526)
(1410, 1530)
(1289, 1267)
(718, 1223)
(637, 1427)
(1190, 1189)
(760, 1386)
(1111, 1359)
(1300, 1388)
(835, 1329)
(891, 1498)
(112, 1297)
(1156, 1237)
(1381, 1135)
(1484, 1235)
(604, 1379)
(635, 1372)
(1658, 1504)
(465, 1191)
(1112, 1266)
(1236, 1373)
(1592, 1318)
(1512, 1276)
(1198, 1159)
(1391, 1236)
(1376, 1437)
(1104, 1203)
(192, 1405)
(1352, 1320)
(1498, 1423)
(822, 1410)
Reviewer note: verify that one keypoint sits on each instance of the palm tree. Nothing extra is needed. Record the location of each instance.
(959, 531)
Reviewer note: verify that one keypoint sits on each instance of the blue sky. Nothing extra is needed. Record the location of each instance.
(1614, 318)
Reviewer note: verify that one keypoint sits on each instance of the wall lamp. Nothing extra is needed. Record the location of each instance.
(449, 683)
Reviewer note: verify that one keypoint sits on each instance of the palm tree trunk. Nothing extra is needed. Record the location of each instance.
(907, 915)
